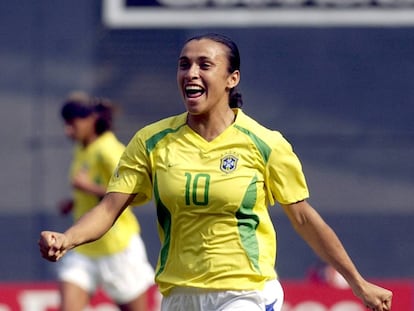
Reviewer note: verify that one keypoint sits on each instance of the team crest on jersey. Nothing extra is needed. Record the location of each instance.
(228, 163)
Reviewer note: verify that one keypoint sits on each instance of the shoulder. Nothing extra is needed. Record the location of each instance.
(169, 123)
(153, 132)
(109, 145)
(257, 131)
(109, 140)
(109, 137)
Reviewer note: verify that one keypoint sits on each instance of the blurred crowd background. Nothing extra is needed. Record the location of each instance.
(342, 95)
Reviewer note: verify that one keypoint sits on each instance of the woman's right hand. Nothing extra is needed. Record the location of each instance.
(52, 245)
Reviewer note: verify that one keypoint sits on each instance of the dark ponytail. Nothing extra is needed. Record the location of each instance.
(236, 100)
(104, 110)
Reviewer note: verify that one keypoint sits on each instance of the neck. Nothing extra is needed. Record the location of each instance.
(89, 140)
(210, 126)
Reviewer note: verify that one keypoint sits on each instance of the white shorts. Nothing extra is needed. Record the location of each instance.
(123, 276)
(196, 299)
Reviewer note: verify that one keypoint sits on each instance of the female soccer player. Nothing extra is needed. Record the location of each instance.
(213, 171)
(117, 262)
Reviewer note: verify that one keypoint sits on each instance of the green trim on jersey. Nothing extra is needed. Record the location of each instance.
(248, 222)
(260, 144)
(164, 220)
(152, 142)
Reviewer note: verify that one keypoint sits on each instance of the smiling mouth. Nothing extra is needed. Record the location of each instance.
(193, 91)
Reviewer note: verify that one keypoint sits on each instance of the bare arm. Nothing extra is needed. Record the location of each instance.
(82, 181)
(325, 243)
(90, 227)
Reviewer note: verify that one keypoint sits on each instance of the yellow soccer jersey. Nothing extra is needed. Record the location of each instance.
(99, 160)
(212, 199)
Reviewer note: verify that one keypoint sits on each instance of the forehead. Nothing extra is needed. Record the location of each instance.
(206, 48)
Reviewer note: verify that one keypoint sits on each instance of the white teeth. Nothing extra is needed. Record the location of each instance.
(193, 88)
(193, 91)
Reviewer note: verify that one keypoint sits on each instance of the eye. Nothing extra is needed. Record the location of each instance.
(183, 64)
(205, 65)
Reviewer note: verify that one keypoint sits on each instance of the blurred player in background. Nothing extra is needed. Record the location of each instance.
(213, 172)
(117, 262)
(324, 274)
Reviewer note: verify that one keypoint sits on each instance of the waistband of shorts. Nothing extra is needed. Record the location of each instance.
(202, 290)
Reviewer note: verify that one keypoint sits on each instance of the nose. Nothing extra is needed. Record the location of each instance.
(193, 71)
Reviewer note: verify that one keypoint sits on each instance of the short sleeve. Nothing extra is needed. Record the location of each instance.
(284, 176)
(133, 173)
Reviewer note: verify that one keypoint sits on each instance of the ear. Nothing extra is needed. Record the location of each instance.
(233, 79)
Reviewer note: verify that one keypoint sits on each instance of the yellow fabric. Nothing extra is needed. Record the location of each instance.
(212, 199)
(99, 159)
